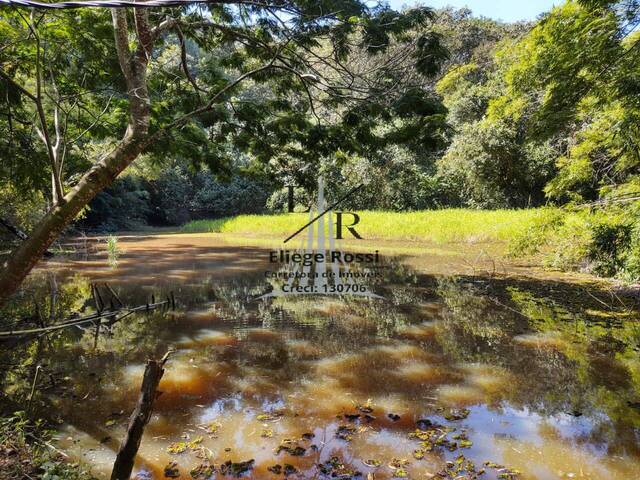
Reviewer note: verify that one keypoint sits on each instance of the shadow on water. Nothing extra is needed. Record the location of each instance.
(538, 376)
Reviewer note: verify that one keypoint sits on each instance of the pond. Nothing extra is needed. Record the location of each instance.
(449, 376)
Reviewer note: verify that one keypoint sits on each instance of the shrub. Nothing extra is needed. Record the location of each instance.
(171, 194)
(605, 242)
(278, 202)
(537, 234)
(22, 209)
(172, 197)
(630, 270)
(216, 199)
(113, 251)
(608, 247)
(561, 237)
(122, 206)
(30, 457)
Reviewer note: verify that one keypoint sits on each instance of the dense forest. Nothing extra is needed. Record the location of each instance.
(428, 108)
(156, 157)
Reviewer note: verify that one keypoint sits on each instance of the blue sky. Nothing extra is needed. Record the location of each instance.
(507, 10)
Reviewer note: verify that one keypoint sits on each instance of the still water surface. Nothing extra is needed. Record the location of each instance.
(487, 372)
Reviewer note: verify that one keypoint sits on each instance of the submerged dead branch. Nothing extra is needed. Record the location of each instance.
(114, 316)
(139, 418)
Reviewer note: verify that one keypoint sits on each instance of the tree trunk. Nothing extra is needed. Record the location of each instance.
(135, 140)
(105, 171)
(24, 258)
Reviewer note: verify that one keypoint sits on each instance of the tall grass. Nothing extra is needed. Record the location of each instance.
(437, 226)
(113, 251)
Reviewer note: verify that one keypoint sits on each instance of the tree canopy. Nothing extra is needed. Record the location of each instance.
(88, 91)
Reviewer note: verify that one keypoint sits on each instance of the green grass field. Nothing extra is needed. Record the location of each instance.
(437, 226)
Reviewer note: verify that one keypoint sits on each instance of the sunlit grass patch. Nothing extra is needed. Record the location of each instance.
(204, 226)
(438, 226)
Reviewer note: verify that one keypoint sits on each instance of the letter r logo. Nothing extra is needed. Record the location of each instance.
(340, 225)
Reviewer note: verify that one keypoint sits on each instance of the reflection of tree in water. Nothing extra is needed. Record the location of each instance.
(41, 302)
(566, 363)
(560, 357)
(68, 360)
(475, 329)
(45, 298)
(344, 324)
(475, 326)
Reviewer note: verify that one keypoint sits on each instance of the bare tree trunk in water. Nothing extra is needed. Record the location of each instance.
(104, 172)
(126, 456)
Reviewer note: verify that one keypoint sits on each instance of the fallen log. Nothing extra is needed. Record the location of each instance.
(128, 450)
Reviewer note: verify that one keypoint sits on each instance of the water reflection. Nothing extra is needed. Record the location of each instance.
(540, 378)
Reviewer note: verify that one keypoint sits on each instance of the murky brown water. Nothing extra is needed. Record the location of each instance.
(509, 374)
